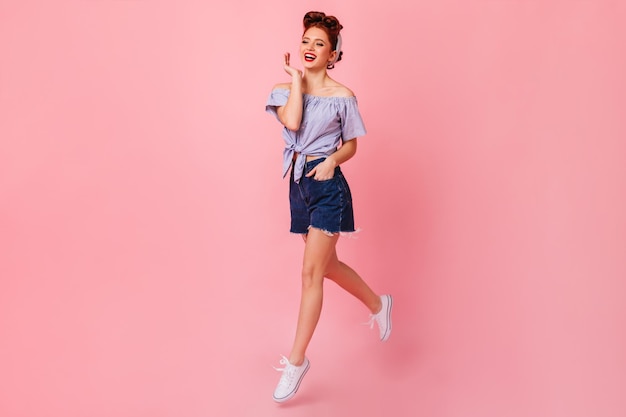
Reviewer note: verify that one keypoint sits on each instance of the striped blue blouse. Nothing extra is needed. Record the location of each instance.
(325, 122)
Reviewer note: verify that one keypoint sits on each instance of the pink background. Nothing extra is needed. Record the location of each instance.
(146, 267)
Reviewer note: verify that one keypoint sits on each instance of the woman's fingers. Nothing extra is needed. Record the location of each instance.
(321, 174)
(294, 72)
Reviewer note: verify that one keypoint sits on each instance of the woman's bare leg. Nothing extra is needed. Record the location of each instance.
(349, 280)
(318, 251)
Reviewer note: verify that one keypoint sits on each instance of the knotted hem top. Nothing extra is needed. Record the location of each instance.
(326, 121)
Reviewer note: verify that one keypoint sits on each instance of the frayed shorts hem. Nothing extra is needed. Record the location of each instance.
(348, 233)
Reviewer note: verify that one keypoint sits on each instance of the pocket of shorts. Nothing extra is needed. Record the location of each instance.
(328, 180)
(334, 177)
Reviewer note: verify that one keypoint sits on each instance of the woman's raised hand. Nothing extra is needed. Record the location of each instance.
(294, 72)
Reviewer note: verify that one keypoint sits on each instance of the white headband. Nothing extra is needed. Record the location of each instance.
(331, 64)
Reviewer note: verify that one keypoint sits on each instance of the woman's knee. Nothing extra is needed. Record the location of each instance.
(311, 277)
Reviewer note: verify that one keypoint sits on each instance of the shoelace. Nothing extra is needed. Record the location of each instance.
(288, 372)
(373, 319)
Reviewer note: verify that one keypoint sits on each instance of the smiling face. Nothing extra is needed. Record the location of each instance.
(315, 50)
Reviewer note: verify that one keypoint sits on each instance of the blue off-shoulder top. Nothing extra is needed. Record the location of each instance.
(326, 121)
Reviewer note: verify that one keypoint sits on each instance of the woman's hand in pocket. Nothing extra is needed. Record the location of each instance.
(323, 171)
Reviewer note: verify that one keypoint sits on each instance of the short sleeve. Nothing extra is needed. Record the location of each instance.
(351, 122)
(278, 97)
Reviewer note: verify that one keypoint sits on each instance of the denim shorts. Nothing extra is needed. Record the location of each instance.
(324, 205)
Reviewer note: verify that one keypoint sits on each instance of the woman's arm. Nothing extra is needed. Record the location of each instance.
(326, 169)
(290, 115)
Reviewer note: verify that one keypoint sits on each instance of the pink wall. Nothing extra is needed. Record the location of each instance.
(145, 263)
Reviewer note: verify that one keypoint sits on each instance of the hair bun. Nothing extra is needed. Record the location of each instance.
(313, 17)
(319, 18)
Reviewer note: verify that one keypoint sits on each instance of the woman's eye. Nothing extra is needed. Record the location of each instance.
(320, 44)
(304, 42)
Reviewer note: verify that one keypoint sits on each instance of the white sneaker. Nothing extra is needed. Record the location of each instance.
(290, 379)
(383, 318)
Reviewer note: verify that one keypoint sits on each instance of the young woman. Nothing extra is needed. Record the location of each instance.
(319, 114)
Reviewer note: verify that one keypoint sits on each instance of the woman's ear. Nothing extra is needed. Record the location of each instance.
(332, 56)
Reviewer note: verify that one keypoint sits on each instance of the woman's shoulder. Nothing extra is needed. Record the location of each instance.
(282, 86)
(341, 90)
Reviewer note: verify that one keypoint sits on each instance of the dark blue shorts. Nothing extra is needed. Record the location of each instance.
(324, 205)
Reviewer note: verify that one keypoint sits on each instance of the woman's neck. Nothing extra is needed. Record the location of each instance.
(315, 80)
